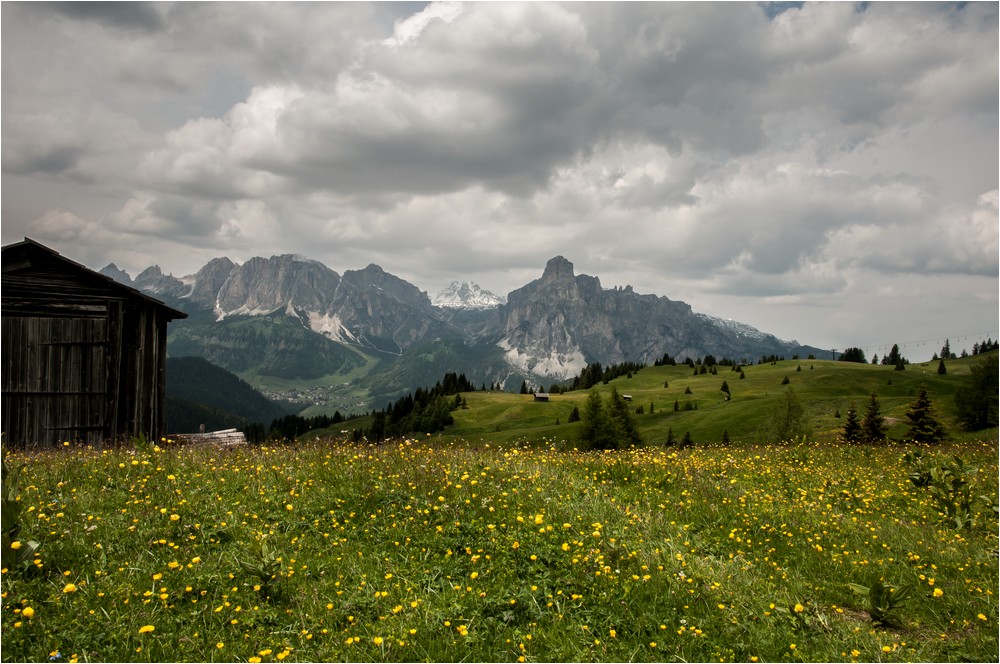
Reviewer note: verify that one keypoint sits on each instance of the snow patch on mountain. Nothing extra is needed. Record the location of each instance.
(329, 325)
(243, 311)
(740, 329)
(544, 361)
(467, 295)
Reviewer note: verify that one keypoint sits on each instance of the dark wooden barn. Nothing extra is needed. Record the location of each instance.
(83, 355)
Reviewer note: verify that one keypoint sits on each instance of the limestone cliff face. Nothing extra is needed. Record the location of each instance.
(263, 285)
(561, 322)
(557, 324)
(210, 279)
(385, 310)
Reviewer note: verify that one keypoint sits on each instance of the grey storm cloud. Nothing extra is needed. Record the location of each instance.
(715, 151)
(127, 16)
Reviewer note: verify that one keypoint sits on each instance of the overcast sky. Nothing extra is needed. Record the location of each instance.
(825, 172)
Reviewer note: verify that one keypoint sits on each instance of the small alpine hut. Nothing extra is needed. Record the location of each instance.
(83, 356)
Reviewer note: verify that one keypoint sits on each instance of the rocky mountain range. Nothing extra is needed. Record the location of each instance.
(294, 317)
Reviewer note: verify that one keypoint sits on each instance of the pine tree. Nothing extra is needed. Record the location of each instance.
(942, 370)
(598, 430)
(575, 415)
(671, 438)
(725, 436)
(686, 441)
(976, 401)
(852, 427)
(872, 425)
(622, 419)
(924, 427)
(894, 358)
(853, 354)
(725, 387)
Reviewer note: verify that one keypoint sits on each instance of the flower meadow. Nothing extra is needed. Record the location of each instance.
(434, 550)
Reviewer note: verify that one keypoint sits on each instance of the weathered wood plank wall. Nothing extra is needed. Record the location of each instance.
(83, 358)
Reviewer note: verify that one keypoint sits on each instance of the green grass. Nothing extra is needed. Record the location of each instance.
(825, 388)
(473, 551)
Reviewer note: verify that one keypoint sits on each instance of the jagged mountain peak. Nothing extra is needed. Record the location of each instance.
(152, 280)
(558, 268)
(466, 295)
(262, 285)
(151, 272)
(116, 273)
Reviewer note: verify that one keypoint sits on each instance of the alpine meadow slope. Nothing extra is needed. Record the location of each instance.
(671, 401)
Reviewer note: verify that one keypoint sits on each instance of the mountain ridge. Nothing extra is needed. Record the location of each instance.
(550, 328)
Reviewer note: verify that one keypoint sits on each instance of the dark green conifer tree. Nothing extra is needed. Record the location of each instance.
(924, 427)
(873, 424)
(976, 401)
(852, 426)
(598, 430)
(622, 419)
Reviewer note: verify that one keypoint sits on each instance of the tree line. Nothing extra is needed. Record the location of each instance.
(896, 359)
(424, 411)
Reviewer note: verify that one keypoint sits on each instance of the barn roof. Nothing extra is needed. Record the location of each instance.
(24, 262)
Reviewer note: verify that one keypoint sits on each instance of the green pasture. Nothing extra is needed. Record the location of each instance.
(471, 550)
(824, 387)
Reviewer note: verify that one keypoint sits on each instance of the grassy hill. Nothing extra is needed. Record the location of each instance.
(824, 387)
